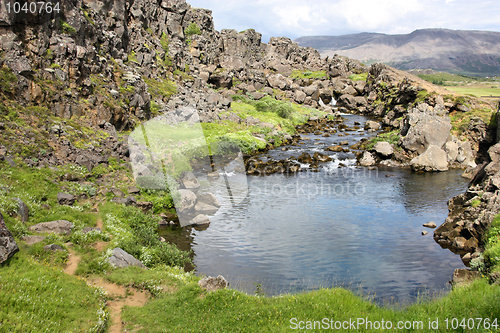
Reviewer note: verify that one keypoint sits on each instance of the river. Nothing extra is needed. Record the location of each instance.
(344, 226)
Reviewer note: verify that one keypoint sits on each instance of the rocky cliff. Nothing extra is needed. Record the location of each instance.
(113, 64)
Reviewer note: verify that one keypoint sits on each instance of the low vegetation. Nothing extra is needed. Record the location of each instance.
(305, 74)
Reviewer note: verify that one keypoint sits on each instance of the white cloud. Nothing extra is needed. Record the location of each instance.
(366, 15)
(294, 18)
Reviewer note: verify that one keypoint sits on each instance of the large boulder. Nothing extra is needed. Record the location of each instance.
(189, 181)
(383, 149)
(186, 201)
(367, 159)
(120, 258)
(422, 130)
(433, 159)
(279, 81)
(53, 227)
(8, 246)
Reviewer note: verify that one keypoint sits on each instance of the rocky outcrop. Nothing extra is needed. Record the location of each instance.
(8, 246)
(471, 213)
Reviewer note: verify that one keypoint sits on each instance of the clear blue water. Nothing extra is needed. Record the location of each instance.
(343, 226)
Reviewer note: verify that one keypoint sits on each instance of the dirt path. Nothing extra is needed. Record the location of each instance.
(119, 296)
(72, 264)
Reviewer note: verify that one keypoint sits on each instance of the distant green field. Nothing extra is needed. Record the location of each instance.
(479, 90)
(465, 85)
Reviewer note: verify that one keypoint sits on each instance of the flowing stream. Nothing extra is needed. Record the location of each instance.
(345, 226)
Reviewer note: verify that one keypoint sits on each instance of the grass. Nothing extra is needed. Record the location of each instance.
(193, 310)
(41, 298)
(392, 137)
(478, 90)
(306, 74)
(358, 77)
(466, 85)
(161, 88)
(461, 120)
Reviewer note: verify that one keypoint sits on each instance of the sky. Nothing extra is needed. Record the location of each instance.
(295, 18)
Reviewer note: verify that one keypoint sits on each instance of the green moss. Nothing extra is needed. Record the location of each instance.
(161, 88)
(305, 74)
(8, 80)
(132, 57)
(87, 16)
(358, 77)
(66, 28)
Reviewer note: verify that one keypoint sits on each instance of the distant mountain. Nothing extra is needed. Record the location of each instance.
(455, 51)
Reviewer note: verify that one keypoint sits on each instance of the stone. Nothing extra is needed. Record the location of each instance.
(120, 258)
(117, 193)
(199, 219)
(319, 157)
(145, 206)
(30, 240)
(425, 232)
(23, 211)
(463, 277)
(8, 246)
(431, 225)
(53, 227)
(205, 208)
(367, 159)
(209, 199)
(186, 201)
(86, 230)
(53, 248)
(433, 159)
(451, 149)
(210, 283)
(189, 181)
(128, 201)
(383, 149)
(421, 130)
(335, 149)
(65, 199)
(305, 158)
(372, 125)
(300, 96)
(133, 190)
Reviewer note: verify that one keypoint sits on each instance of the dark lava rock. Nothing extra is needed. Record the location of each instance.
(8, 246)
(65, 199)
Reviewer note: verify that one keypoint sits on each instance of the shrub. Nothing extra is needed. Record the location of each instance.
(135, 233)
(192, 29)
